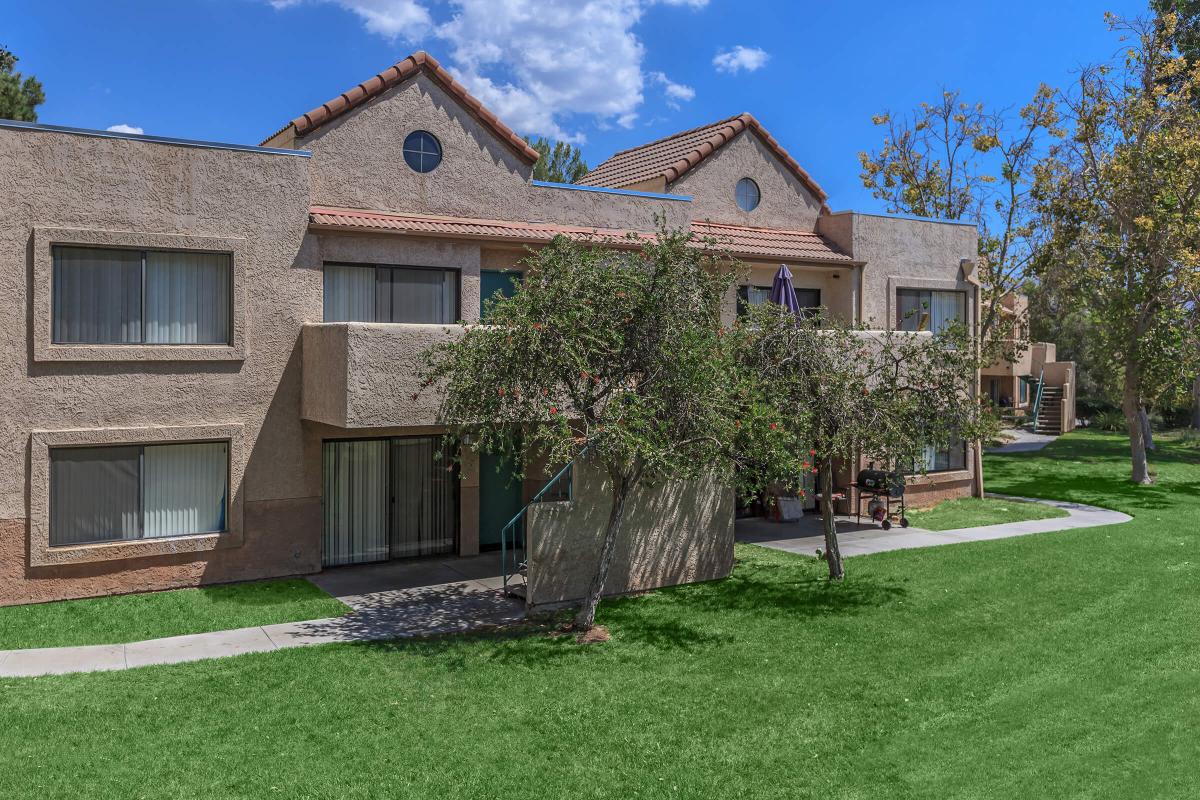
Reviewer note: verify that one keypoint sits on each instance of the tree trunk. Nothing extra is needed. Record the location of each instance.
(587, 612)
(1131, 404)
(833, 555)
(1147, 431)
(1196, 402)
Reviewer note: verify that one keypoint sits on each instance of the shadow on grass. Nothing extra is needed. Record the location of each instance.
(754, 588)
(1094, 468)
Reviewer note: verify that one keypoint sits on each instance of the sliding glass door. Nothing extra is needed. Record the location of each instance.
(388, 498)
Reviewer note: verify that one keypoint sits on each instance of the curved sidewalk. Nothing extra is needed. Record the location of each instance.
(456, 607)
(871, 539)
(469, 605)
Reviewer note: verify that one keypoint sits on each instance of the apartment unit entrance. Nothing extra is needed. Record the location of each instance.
(500, 497)
(388, 498)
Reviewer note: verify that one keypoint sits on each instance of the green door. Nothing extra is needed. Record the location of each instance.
(500, 495)
(494, 283)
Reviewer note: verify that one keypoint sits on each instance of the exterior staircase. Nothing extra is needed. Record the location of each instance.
(1049, 418)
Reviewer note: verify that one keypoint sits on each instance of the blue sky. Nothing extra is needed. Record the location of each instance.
(609, 74)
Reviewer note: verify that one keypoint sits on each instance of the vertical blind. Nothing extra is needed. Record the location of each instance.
(356, 293)
(187, 298)
(184, 489)
(110, 296)
(945, 459)
(356, 497)
(95, 494)
(100, 494)
(97, 295)
(757, 295)
(349, 293)
(388, 498)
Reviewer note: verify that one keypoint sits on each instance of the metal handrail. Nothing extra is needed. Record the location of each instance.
(1037, 402)
(507, 570)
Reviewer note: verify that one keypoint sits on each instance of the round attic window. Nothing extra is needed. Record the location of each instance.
(422, 151)
(747, 194)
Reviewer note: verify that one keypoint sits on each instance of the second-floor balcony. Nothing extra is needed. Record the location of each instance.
(364, 374)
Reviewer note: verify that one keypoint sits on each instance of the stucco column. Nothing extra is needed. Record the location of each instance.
(468, 500)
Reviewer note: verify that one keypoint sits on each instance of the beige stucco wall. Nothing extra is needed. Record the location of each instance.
(785, 203)
(674, 533)
(901, 253)
(366, 375)
(116, 187)
(358, 162)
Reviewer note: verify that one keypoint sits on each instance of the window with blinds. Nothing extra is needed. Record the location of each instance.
(127, 492)
(388, 498)
(371, 293)
(809, 300)
(926, 310)
(114, 296)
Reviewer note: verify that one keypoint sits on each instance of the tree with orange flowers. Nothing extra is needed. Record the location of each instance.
(615, 352)
(834, 394)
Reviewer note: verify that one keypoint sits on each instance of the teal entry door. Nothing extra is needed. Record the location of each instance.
(497, 284)
(500, 498)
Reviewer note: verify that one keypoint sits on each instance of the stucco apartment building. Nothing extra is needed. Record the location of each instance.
(1035, 387)
(210, 350)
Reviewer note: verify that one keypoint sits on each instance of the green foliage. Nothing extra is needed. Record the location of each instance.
(560, 162)
(816, 394)
(955, 160)
(614, 350)
(19, 95)
(1112, 420)
(819, 391)
(1120, 201)
(1061, 665)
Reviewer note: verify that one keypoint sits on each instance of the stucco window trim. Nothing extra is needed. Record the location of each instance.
(44, 241)
(42, 554)
(897, 282)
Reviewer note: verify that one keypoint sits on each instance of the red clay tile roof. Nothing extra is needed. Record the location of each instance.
(673, 156)
(737, 240)
(757, 243)
(459, 227)
(398, 72)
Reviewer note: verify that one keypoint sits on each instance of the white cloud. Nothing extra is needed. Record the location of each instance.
(536, 65)
(539, 66)
(123, 128)
(740, 58)
(676, 92)
(392, 19)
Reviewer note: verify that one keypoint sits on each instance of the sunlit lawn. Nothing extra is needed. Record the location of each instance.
(1049, 666)
(131, 618)
(969, 512)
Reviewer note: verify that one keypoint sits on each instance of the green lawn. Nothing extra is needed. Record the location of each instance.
(968, 512)
(131, 618)
(1063, 665)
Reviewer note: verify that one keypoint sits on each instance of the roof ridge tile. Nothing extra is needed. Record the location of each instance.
(402, 70)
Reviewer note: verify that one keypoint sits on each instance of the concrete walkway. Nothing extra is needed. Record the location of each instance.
(390, 601)
(1023, 441)
(855, 540)
(405, 599)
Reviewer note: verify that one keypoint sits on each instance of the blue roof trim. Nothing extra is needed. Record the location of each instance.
(687, 198)
(143, 137)
(909, 217)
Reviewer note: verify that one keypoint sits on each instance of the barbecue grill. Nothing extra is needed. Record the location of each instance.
(882, 490)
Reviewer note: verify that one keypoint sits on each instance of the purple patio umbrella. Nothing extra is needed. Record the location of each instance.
(782, 291)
